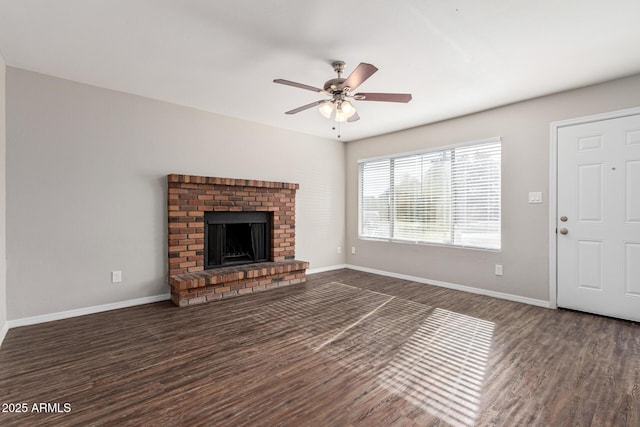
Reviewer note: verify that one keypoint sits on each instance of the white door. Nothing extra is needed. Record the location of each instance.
(599, 209)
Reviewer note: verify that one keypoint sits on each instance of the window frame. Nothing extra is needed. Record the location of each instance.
(437, 149)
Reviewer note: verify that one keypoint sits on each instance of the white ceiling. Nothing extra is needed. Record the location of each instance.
(454, 56)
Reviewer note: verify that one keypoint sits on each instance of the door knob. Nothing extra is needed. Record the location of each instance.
(564, 219)
(563, 231)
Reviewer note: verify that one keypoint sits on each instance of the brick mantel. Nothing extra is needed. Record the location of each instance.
(189, 197)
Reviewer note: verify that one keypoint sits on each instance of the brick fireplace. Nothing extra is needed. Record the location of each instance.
(193, 201)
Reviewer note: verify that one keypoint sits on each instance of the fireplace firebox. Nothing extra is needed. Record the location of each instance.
(234, 238)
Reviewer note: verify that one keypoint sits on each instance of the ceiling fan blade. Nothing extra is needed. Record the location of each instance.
(306, 107)
(353, 118)
(388, 97)
(300, 85)
(362, 72)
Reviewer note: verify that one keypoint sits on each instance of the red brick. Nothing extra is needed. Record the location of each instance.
(177, 191)
(190, 196)
(237, 286)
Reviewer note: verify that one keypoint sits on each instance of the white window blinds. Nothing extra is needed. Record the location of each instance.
(449, 197)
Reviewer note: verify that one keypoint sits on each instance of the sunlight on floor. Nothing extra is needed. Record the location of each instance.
(441, 368)
(354, 324)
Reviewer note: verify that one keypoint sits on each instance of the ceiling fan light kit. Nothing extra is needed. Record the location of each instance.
(326, 109)
(341, 90)
(344, 110)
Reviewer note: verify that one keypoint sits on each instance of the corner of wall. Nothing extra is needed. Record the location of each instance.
(3, 210)
(345, 234)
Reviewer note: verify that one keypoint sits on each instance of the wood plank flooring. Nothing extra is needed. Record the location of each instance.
(345, 349)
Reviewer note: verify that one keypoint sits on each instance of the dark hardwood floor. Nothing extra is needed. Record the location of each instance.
(345, 349)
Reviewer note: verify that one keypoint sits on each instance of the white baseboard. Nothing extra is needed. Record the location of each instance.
(324, 269)
(3, 332)
(25, 321)
(113, 306)
(147, 300)
(494, 294)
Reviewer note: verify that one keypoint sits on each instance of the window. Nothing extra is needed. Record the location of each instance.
(449, 197)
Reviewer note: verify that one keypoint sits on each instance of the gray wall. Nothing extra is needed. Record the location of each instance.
(524, 128)
(86, 191)
(3, 205)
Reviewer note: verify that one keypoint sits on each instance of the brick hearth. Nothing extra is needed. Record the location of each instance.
(189, 197)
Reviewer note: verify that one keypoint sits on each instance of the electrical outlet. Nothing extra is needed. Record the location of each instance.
(339, 250)
(116, 276)
(353, 250)
(498, 269)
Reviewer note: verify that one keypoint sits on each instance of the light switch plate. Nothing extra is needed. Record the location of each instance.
(535, 197)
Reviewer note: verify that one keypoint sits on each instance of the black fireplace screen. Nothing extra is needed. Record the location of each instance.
(233, 238)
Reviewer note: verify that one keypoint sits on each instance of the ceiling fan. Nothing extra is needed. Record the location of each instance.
(341, 90)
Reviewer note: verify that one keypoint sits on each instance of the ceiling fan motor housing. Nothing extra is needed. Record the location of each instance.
(333, 85)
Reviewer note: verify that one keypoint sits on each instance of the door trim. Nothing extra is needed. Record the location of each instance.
(553, 188)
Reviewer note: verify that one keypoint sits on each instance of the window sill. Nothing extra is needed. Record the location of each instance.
(440, 245)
